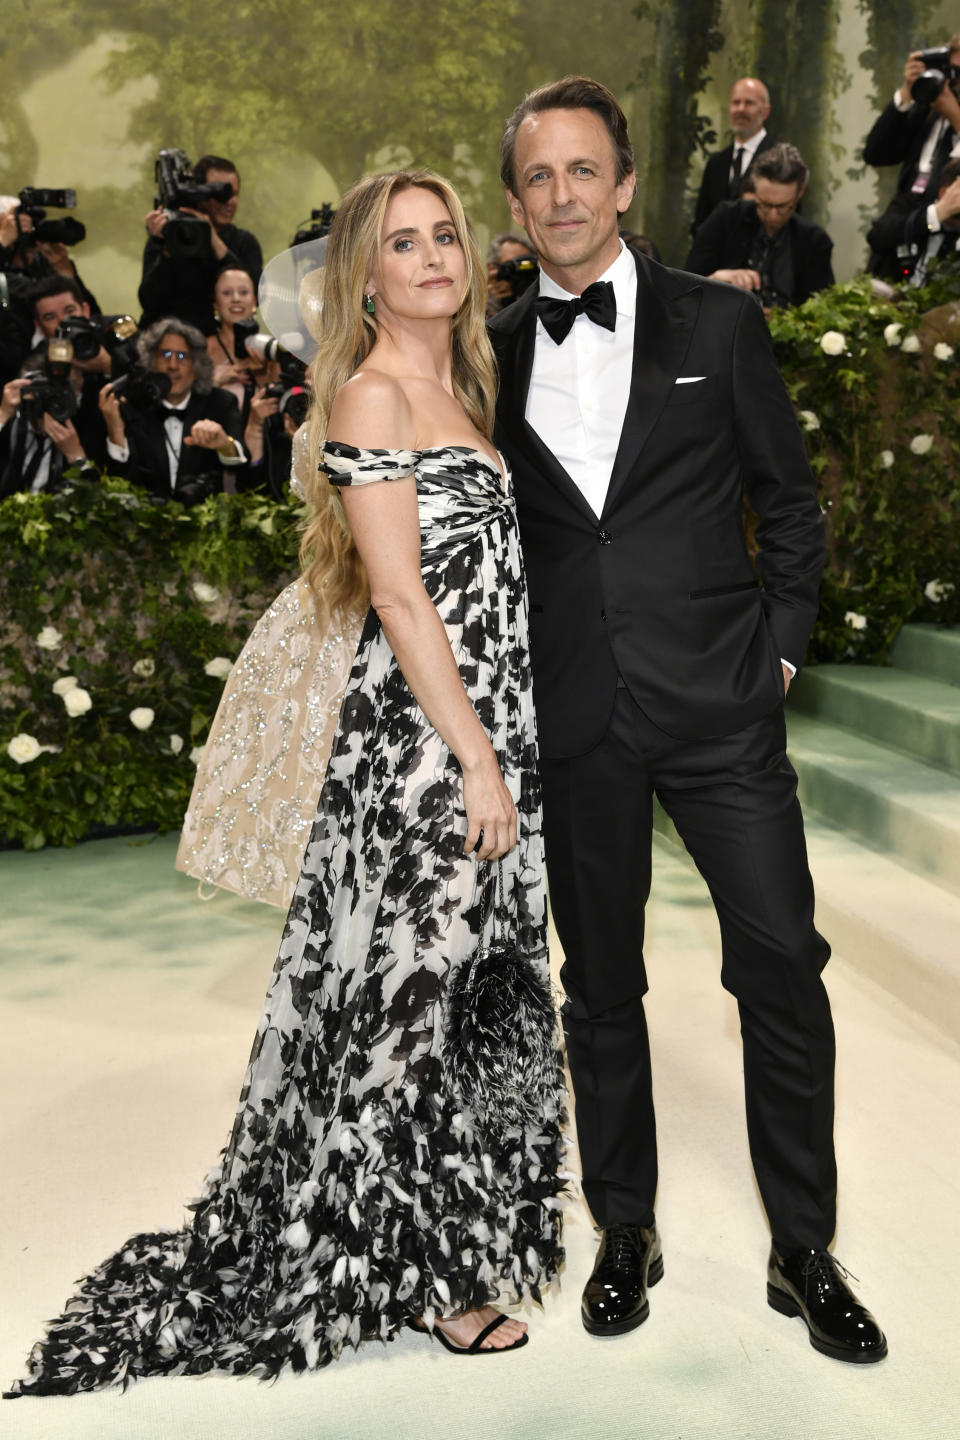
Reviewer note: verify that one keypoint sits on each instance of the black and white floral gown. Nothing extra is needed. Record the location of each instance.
(355, 1190)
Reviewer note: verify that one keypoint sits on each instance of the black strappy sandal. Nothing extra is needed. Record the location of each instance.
(476, 1345)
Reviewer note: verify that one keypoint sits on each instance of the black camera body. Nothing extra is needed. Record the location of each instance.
(519, 273)
(938, 73)
(185, 237)
(317, 226)
(142, 389)
(50, 391)
(88, 335)
(65, 230)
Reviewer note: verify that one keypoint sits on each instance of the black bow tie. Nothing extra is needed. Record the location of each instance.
(169, 413)
(598, 302)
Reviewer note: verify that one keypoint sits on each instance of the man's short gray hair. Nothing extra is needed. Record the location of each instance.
(148, 348)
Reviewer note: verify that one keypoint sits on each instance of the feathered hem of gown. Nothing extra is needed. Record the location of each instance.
(417, 1215)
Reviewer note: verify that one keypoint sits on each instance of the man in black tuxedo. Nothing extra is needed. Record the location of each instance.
(637, 404)
(176, 448)
(726, 170)
(763, 244)
(908, 236)
(920, 138)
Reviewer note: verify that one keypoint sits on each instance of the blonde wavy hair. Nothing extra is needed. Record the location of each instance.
(346, 334)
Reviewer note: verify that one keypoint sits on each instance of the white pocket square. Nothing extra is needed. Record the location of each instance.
(689, 379)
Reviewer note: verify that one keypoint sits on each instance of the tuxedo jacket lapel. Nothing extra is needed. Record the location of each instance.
(663, 327)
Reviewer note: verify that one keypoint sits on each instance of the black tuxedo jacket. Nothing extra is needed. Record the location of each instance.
(715, 185)
(199, 473)
(897, 138)
(725, 242)
(660, 590)
(183, 287)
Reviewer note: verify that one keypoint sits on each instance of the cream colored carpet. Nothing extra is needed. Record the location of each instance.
(128, 1010)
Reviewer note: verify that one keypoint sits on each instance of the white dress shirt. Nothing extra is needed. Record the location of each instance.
(579, 390)
(749, 148)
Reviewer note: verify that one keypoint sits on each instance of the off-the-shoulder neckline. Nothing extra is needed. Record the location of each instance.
(498, 470)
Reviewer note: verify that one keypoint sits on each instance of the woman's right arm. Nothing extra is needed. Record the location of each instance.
(372, 412)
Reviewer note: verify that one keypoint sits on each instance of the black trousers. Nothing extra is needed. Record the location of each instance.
(734, 803)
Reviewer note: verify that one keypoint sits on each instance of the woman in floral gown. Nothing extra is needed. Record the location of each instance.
(357, 1191)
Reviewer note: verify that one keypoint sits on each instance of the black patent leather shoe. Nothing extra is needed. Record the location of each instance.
(615, 1296)
(812, 1284)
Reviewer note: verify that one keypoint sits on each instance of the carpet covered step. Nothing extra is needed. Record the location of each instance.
(928, 650)
(910, 712)
(892, 801)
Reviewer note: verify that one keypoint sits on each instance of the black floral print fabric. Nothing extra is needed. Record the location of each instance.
(354, 1190)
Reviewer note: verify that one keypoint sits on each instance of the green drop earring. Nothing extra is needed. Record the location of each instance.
(368, 304)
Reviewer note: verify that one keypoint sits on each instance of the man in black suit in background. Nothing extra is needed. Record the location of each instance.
(176, 448)
(636, 406)
(726, 170)
(921, 138)
(762, 244)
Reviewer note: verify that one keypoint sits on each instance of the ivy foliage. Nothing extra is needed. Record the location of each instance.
(113, 575)
(883, 434)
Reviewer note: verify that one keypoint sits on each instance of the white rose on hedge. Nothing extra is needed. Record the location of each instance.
(24, 748)
(891, 333)
(77, 701)
(196, 754)
(219, 667)
(809, 420)
(205, 593)
(937, 590)
(943, 351)
(920, 444)
(855, 621)
(911, 345)
(833, 343)
(141, 717)
(176, 744)
(144, 668)
(886, 458)
(65, 683)
(49, 638)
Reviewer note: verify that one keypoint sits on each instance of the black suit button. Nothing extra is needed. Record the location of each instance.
(604, 537)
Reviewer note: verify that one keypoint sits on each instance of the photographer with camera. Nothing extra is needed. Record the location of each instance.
(32, 248)
(191, 237)
(762, 244)
(168, 428)
(277, 410)
(919, 130)
(50, 421)
(908, 236)
(511, 267)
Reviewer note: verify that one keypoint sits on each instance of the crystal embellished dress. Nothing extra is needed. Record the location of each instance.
(355, 1189)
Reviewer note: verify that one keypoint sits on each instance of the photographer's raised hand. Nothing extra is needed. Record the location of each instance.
(10, 399)
(210, 435)
(65, 438)
(112, 414)
(913, 69)
(156, 222)
(220, 250)
(57, 257)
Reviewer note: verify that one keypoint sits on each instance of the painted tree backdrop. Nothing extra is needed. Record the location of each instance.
(307, 94)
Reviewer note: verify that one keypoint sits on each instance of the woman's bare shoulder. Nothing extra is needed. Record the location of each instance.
(372, 412)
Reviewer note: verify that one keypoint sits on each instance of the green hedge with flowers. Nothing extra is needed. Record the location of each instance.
(120, 618)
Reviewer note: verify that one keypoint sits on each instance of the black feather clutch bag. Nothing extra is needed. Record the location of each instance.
(499, 1052)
